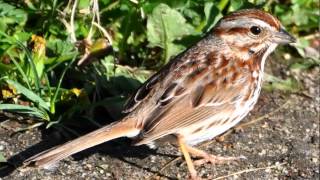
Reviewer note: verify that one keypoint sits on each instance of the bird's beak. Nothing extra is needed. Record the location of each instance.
(283, 37)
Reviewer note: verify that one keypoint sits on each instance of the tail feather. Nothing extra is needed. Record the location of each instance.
(119, 129)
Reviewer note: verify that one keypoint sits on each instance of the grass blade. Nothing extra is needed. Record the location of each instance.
(53, 100)
(23, 74)
(25, 110)
(29, 94)
(29, 58)
(33, 66)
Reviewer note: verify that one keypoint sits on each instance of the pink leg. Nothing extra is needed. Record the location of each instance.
(210, 158)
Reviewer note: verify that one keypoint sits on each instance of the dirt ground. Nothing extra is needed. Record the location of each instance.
(280, 142)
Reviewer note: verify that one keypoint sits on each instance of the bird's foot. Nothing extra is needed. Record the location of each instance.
(194, 177)
(208, 158)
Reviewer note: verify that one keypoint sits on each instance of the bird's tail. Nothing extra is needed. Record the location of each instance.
(124, 128)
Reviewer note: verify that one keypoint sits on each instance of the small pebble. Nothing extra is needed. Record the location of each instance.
(104, 166)
(287, 56)
(268, 170)
(153, 159)
(263, 152)
(315, 160)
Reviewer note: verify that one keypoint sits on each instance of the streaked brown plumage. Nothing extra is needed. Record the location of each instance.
(200, 94)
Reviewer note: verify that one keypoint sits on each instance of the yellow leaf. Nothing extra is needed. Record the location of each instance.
(76, 91)
(9, 92)
(6, 94)
(39, 47)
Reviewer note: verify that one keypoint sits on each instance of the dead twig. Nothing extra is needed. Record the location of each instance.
(312, 36)
(73, 12)
(95, 15)
(249, 170)
(104, 32)
(169, 163)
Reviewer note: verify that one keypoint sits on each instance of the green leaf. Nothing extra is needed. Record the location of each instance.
(59, 51)
(300, 45)
(19, 68)
(11, 15)
(32, 65)
(60, 47)
(22, 36)
(25, 110)
(117, 70)
(54, 98)
(273, 82)
(84, 4)
(301, 66)
(164, 26)
(235, 5)
(240, 4)
(212, 14)
(2, 158)
(29, 94)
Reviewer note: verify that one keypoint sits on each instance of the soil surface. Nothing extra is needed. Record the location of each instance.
(279, 141)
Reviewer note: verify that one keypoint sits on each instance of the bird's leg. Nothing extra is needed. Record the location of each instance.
(205, 157)
(184, 150)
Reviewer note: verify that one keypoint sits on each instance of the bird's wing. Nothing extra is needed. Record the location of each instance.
(195, 107)
(204, 92)
(167, 79)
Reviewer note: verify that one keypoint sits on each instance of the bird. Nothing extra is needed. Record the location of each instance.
(201, 93)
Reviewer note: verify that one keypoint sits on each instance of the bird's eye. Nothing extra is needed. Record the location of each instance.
(255, 30)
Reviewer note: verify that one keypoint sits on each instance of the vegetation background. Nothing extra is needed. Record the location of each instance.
(62, 62)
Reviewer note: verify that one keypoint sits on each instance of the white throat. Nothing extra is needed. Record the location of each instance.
(270, 49)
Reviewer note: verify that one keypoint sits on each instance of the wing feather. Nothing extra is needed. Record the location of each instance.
(214, 101)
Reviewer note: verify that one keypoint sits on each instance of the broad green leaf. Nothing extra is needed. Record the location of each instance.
(84, 4)
(164, 26)
(60, 51)
(240, 4)
(22, 36)
(60, 47)
(10, 15)
(235, 5)
(29, 94)
(212, 14)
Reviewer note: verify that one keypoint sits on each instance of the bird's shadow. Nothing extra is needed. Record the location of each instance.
(120, 148)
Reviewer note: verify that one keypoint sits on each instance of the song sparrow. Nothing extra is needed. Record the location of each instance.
(198, 95)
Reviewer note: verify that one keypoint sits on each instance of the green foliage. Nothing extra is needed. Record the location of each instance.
(10, 15)
(289, 85)
(303, 15)
(164, 26)
(29, 94)
(41, 40)
(2, 158)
